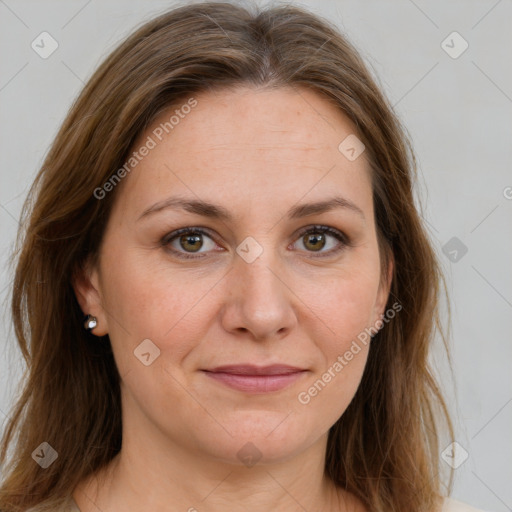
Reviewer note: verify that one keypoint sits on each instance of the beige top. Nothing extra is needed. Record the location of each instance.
(450, 505)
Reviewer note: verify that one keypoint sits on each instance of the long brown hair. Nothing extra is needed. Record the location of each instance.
(384, 448)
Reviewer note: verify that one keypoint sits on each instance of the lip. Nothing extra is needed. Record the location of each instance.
(256, 379)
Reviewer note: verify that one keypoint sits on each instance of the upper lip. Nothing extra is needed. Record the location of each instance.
(249, 369)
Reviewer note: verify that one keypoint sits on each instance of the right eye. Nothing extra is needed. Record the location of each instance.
(186, 242)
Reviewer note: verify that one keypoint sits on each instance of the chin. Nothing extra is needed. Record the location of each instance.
(261, 437)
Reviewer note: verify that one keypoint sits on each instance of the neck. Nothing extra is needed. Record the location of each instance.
(141, 478)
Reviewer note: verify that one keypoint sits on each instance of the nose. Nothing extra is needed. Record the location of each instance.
(260, 303)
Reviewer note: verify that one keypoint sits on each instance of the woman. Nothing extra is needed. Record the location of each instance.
(229, 203)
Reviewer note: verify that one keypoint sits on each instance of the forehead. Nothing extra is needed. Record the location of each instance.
(285, 118)
(246, 143)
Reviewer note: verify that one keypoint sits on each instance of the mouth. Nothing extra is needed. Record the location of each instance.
(256, 379)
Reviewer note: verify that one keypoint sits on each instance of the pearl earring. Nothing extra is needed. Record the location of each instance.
(90, 322)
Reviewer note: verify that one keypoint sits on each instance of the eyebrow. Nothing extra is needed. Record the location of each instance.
(210, 210)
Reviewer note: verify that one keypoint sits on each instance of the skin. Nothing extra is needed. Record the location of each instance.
(257, 152)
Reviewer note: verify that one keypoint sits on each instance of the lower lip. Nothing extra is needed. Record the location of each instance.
(256, 383)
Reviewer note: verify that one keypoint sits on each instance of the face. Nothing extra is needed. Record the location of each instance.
(273, 291)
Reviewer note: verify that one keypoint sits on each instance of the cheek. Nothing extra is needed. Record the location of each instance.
(346, 307)
(145, 302)
(324, 399)
(145, 294)
(153, 304)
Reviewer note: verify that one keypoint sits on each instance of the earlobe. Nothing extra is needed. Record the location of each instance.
(86, 285)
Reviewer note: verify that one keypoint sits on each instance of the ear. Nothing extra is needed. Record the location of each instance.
(384, 289)
(86, 284)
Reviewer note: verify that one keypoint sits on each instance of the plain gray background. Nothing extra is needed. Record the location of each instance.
(457, 108)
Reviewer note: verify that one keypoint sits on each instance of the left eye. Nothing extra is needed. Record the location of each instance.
(317, 238)
(188, 241)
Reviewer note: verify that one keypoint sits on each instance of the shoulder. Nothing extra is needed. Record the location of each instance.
(451, 505)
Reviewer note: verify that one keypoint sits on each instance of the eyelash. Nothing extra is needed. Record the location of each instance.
(340, 236)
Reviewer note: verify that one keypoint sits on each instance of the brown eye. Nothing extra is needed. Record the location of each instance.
(191, 242)
(315, 242)
(317, 238)
(186, 242)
